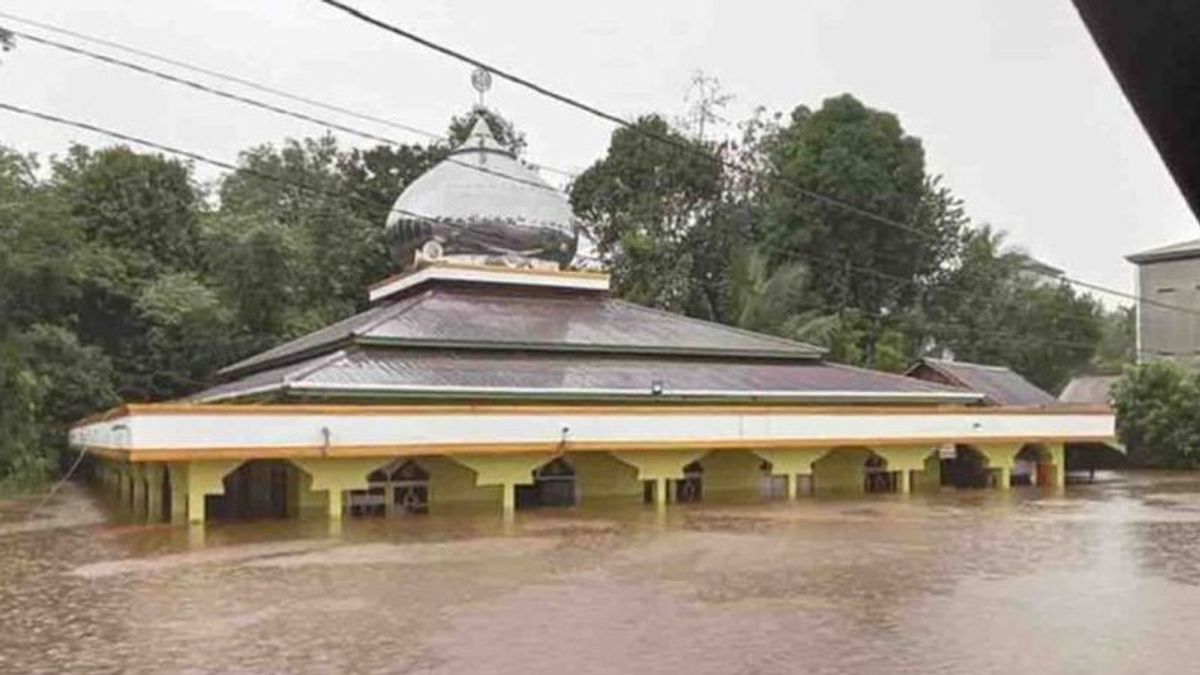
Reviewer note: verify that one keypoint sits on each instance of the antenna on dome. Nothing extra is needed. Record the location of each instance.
(481, 80)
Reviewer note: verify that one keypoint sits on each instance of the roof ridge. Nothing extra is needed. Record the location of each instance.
(818, 351)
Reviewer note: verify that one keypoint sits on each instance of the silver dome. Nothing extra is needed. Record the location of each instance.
(480, 201)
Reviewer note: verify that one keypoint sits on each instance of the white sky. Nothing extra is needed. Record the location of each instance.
(1012, 100)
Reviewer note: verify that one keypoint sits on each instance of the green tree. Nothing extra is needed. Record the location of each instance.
(644, 204)
(860, 157)
(989, 308)
(1158, 415)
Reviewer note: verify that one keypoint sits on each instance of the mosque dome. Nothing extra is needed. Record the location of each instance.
(480, 203)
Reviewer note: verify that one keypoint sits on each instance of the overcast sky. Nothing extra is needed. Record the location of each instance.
(1015, 105)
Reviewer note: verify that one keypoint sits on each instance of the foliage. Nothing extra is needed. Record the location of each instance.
(645, 204)
(1158, 414)
(991, 309)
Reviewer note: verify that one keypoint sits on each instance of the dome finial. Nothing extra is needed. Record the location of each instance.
(481, 80)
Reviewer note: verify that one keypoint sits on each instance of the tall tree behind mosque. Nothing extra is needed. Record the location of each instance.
(990, 309)
(862, 157)
(644, 206)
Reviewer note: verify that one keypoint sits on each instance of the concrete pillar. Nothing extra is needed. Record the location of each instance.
(205, 478)
(137, 477)
(661, 485)
(661, 466)
(1058, 454)
(124, 486)
(507, 471)
(153, 473)
(177, 474)
(336, 475)
(792, 463)
(508, 498)
(905, 459)
(1001, 457)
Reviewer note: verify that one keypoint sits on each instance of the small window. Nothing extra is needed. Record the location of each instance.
(1167, 289)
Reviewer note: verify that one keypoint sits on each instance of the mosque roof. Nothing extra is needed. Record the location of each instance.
(999, 385)
(494, 337)
(1089, 389)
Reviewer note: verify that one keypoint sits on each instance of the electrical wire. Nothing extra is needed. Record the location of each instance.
(615, 119)
(262, 105)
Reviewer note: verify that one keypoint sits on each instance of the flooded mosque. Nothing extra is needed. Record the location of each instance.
(489, 375)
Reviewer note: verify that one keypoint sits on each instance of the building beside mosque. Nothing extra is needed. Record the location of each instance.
(488, 375)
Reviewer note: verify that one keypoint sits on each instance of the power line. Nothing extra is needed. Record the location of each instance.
(615, 119)
(263, 105)
(195, 156)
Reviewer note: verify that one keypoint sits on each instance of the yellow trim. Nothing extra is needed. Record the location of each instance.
(416, 449)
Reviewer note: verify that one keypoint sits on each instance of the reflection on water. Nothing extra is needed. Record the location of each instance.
(1103, 579)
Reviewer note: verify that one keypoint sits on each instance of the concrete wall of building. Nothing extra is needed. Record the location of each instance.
(1165, 333)
(600, 476)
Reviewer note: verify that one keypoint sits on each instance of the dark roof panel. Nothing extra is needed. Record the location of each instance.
(452, 316)
(999, 384)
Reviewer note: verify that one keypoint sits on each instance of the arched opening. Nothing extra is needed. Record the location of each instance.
(968, 468)
(553, 485)
(410, 489)
(256, 489)
(690, 488)
(1033, 465)
(400, 487)
(876, 476)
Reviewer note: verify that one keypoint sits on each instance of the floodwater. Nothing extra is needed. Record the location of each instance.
(1102, 579)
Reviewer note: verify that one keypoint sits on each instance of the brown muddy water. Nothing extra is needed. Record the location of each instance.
(1103, 579)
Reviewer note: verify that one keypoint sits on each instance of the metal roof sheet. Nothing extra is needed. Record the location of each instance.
(432, 371)
(1001, 385)
(1093, 389)
(494, 317)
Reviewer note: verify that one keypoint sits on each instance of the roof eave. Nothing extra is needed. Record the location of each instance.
(303, 390)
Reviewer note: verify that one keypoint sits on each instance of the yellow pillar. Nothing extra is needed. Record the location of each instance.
(337, 475)
(153, 475)
(792, 462)
(205, 478)
(507, 471)
(904, 459)
(660, 466)
(1058, 454)
(1001, 457)
(124, 485)
(137, 477)
(177, 474)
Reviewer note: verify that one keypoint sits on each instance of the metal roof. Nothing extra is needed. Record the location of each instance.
(1093, 389)
(378, 372)
(491, 317)
(1000, 385)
